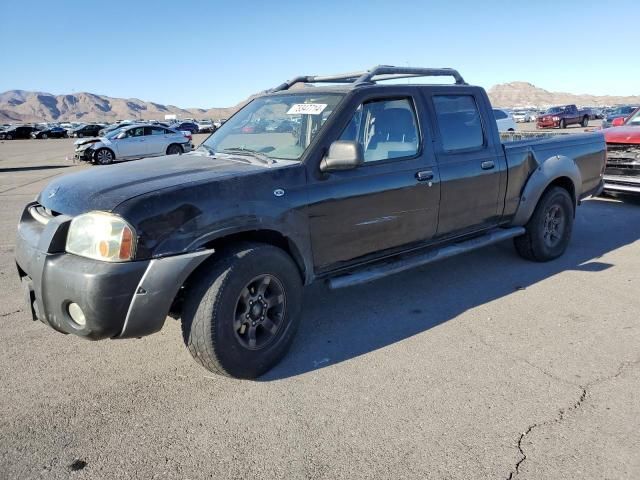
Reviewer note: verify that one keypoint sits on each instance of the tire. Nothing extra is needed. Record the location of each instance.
(218, 316)
(563, 124)
(79, 135)
(103, 156)
(9, 137)
(554, 213)
(174, 149)
(585, 122)
(44, 136)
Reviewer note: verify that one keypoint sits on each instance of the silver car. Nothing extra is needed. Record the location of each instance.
(132, 142)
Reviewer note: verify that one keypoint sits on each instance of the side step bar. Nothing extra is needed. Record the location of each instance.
(371, 273)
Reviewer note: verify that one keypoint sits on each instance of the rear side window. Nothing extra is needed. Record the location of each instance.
(499, 114)
(386, 129)
(459, 122)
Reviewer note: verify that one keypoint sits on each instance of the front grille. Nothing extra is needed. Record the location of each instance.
(42, 214)
(623, 159)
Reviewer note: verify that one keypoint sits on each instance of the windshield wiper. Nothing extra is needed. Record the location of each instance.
(266, 159)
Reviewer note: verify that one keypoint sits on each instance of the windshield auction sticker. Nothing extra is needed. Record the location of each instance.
(307, 108)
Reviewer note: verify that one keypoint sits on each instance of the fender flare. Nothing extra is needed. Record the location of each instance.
(547, 172)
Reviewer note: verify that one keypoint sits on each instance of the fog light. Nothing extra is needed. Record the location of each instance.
(77, 315)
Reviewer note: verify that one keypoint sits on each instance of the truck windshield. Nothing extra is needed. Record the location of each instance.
(555, 110)
(277, 126)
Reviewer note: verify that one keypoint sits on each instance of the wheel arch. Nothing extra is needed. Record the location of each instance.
(219, 244)
(558, 171)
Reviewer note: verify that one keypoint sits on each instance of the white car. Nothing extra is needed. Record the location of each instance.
(205, 126)
(505, 120)
(136, 141)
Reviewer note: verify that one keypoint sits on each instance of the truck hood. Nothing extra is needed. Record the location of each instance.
(104, 188)
(623, 134)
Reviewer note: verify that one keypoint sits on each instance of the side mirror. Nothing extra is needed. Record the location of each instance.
(343, 155)
(618, 122)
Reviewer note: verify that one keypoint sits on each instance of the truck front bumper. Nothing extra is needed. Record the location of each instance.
(547, 124)
(621, 184)
(118, 300)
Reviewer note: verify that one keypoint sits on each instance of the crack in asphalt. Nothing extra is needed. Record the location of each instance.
(9, 313)
(563, 412)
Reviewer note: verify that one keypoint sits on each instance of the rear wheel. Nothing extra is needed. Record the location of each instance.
(174, 149)
(549, 230)
(240, 316)
(104, 156)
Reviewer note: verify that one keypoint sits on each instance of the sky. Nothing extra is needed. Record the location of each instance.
(215, 53)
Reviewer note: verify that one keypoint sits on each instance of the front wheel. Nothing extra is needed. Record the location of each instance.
(104, 156)
(585, 122)
(549, 230)
(563, 124)
(240, 316)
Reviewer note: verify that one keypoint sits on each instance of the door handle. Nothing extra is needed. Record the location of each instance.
(488, 165)
(424, 175)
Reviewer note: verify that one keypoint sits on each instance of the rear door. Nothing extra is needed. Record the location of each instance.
(391, 201)
(470, 162)
(156, 140)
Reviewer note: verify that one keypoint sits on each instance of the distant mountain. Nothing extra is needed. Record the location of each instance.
(523, 94)
(26, 106)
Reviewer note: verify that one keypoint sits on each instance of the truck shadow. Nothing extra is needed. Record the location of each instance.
(340, 325)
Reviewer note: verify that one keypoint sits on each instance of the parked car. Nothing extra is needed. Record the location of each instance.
(185, 126)
(562, 117)
(205, 126)
(17, 132)
(622, 174)
(622, 112)
(90, 130)
(50, 132)
(128, 143)
(381, 178)
(505, 120)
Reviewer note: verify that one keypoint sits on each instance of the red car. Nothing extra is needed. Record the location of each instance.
(622, 173)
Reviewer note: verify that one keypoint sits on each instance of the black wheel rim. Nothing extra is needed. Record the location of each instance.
(554, 226)
(260, 312)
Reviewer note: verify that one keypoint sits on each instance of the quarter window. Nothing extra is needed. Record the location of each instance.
(386, 129)
(459, 122)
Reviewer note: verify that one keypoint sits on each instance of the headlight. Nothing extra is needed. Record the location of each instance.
(555, 119)
(101, 236)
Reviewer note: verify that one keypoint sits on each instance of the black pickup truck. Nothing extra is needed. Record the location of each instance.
(371, 179)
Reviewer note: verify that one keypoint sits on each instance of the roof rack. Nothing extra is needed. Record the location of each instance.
(368, 77)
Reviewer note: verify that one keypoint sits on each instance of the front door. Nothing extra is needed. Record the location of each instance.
(390, 201)
(134, 144)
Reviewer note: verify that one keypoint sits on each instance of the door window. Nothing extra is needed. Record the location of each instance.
(459, 122)
(386, 129)
(136, 132)
(154, 131)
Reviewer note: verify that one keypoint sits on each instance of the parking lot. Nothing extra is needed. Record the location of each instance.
(481, 366)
